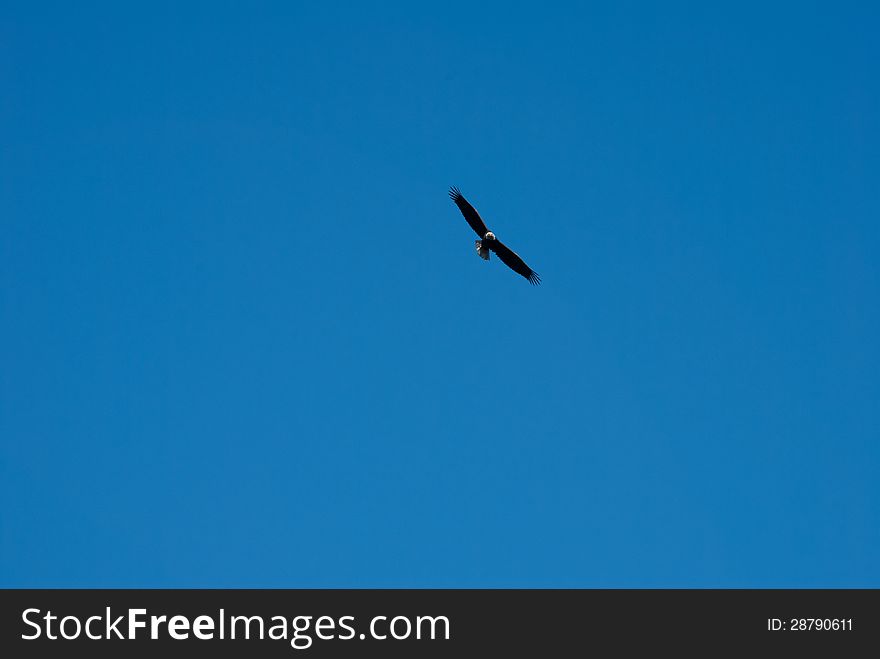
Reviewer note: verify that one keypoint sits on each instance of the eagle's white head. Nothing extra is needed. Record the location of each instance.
(489, 236)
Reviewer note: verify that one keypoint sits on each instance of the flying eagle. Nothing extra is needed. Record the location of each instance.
(489, 243)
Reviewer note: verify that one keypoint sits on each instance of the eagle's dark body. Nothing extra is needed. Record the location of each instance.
(489, 243)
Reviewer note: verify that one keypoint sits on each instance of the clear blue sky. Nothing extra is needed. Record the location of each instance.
(245, 339)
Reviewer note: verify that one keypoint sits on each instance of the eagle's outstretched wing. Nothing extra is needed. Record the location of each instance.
(470, 213)
(514, 262)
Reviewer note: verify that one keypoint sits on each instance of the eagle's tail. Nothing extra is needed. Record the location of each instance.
(482, 251)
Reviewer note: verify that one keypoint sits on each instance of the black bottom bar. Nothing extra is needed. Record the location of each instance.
(434, 622)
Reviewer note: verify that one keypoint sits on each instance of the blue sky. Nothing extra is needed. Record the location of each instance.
(245, 339)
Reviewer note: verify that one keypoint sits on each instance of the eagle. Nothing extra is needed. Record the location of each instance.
(489, 243)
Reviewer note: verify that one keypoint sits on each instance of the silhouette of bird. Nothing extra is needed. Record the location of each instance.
(489, 243)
